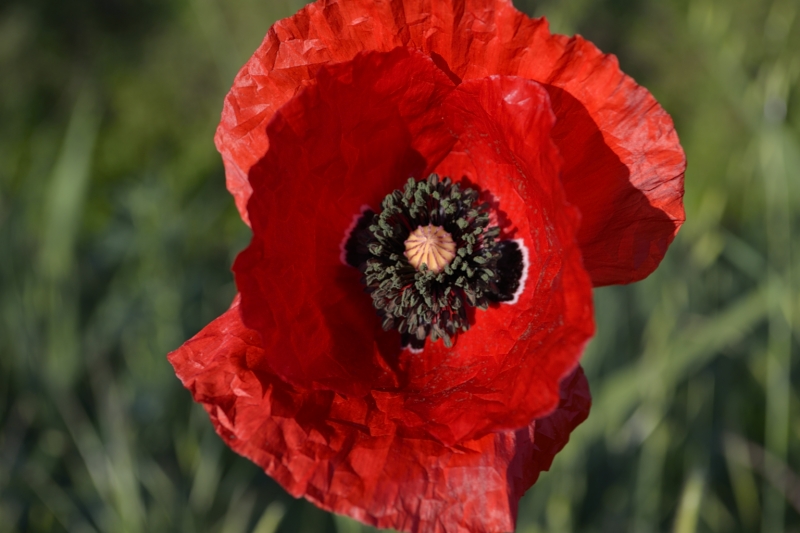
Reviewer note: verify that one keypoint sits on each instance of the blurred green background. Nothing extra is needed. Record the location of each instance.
(117, 235)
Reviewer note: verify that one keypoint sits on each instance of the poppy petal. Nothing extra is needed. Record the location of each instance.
(360, 132)
(505, 370)
(623, 163)
(348, 140)
(346, 456)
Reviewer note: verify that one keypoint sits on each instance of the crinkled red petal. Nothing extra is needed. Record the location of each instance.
(349, 140)
(347, 455)
(623, 164)
(505, 370)
(343, 143)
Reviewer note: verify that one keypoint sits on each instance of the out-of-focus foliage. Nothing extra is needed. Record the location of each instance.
(116, 237)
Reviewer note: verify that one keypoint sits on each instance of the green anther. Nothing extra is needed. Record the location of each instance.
(418, 301)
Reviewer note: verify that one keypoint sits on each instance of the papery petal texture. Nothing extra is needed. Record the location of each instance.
(360, 131)
(348, 456)
(340, 106)
(623, 165)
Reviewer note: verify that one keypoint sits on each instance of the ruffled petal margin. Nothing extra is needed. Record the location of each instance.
(359, 133)
(623, 164)
(347, 456)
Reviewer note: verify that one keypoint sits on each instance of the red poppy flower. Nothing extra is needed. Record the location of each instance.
(433, 189)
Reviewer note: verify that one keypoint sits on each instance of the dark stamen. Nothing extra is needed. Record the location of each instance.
(432, 221)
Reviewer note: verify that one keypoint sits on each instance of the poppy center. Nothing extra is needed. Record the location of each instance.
(429, 255)
(430, 247)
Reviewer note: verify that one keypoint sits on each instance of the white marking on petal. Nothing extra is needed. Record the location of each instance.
(526, 264)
